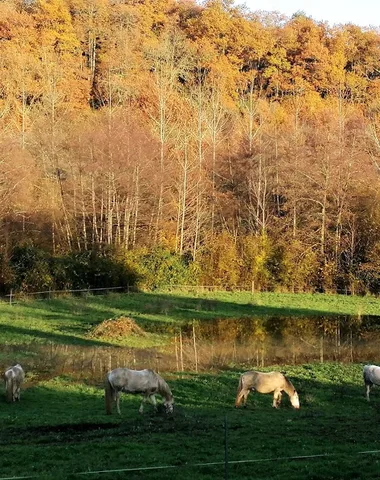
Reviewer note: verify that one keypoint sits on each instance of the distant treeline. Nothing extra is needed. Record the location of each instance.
(180, 142)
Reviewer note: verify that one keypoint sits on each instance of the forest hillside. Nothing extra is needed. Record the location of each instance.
(166, 141)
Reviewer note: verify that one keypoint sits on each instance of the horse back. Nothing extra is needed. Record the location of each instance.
(371, 374)
(133, 381)
(15, 372)
(263, 382)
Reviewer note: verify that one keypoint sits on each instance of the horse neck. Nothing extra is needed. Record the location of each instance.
(289, 388)
(163, 389)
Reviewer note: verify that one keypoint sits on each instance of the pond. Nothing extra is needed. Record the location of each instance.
(214, 344)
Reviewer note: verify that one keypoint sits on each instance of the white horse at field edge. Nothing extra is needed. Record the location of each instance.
(13, 378)
(275, 382)
(371, 376)
(146, 382)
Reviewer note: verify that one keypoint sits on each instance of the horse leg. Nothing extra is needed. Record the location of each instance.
(246, 393)
(117, 396)
(368, 388)
(152, 400)
(277, 398)
(242, 395)
(144, 399)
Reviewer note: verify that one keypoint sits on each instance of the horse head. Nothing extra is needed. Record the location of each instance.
(169, 405)
(294, 400)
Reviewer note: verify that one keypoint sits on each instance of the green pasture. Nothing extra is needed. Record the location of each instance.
(68, 320)
(59, 429)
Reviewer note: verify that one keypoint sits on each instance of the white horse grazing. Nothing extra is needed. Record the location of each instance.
(266, 383)
(147, 382)
(371, 376)
(13, 378)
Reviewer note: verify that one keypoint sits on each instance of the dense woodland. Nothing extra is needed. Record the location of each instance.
(187, 142)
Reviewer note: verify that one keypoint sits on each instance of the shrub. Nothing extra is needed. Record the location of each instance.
(220, 262)
(30, 267)
(256, 252)
(160, 267)
(91, 269)
(33, 269)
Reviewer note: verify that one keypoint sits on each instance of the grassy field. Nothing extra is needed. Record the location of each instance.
(60, 430)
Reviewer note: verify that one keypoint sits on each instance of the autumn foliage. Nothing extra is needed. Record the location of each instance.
(233, 148)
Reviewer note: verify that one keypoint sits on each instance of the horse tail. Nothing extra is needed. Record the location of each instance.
(109, 396)
(366, 374)
(9, 385)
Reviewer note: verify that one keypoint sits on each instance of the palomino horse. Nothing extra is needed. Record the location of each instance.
(13, 378)
(147, 382)
(266, 383)
(371, 376)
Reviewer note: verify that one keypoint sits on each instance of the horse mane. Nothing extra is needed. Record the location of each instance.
(163, 387)
(289, 384)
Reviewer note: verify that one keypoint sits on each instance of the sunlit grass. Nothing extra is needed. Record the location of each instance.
(60, 427)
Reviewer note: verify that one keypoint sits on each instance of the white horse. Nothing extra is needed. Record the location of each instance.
(266, 383)
(147, 382)
(371, 376)
(13, 378)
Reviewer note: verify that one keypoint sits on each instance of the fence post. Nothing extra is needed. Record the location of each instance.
(181, 349)
(10, 297)
(225, 449)
(195, 349)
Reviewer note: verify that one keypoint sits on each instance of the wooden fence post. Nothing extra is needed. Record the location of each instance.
(176, 352)
(181, 349)
(195, 349)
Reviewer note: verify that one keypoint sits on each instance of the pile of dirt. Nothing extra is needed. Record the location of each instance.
(117, 328)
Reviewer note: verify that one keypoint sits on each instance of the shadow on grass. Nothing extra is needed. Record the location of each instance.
(37, 335)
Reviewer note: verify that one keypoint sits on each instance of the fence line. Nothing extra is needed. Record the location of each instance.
(198, 288)
(66, 291)
(13, 295)
(203, 464)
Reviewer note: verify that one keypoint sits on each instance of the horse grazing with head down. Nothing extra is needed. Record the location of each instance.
(275, 382)
(13, 378)
(146, 382)
(371, 376)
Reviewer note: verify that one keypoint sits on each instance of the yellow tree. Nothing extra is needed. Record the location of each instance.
(169, 62)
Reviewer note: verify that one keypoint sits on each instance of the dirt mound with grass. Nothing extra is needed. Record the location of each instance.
(117, 328)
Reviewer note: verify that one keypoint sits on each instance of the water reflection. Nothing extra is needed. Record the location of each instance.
(263, 341)
(247, 342)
